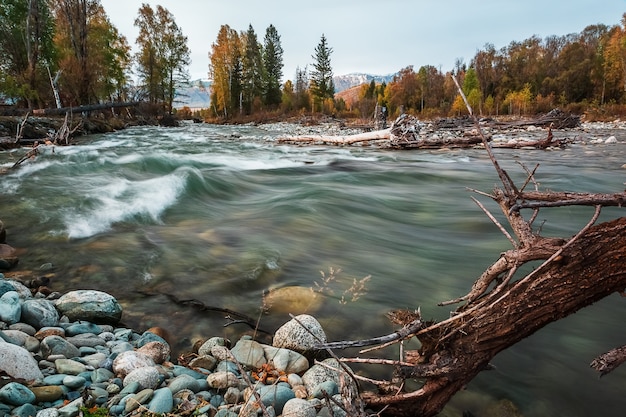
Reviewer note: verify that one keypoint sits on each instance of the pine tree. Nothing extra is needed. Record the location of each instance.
(322, 85)
(273, 64)
(252, 70)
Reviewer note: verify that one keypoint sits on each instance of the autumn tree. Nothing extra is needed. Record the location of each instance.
(163, 55)
(225, 69)
(322, 85)
(26, 44)
(273, 66)
(93, 56)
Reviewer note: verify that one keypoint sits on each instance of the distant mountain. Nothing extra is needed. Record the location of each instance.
(196, 95)
(345, 82)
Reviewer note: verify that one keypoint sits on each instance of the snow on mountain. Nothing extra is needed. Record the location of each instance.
(196, 95)
(344, 82)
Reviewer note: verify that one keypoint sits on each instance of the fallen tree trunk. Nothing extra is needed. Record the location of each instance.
(337, 140)
(84, 108)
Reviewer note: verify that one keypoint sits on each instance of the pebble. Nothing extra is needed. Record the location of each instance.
(83, 356)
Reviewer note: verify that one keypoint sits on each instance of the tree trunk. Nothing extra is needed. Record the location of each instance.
(592, 268)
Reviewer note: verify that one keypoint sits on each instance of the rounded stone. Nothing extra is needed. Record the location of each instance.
(207, 362)
(158, 351)
(147, 377)
(10, 307)
(276, 396)
(249, 353)
(182, 382)
(206, 347)
(18, 362)
(90, 305)
(82, 327)
(16, 394)
(222, 380)
(286, 360)
(137, 400)
(47, 393)
(130, 360)
(297, 407)
(162, 401)
(39, 313)
(69, 366)
(300, 334)
(56, 345)
(74, 382)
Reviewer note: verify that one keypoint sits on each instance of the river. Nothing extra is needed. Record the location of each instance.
(222, 214)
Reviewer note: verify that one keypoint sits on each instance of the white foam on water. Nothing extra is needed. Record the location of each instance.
(123, 200)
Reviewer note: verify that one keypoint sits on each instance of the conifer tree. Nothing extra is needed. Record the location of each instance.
(273, 64)
(252, 70)
(322, 85)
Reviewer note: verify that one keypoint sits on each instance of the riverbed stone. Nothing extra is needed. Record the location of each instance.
(25, 410)
(137, 400)
(162, 401)
(182, 382)
(10, 307)
(81, 328)
(147, 376)
(8, 257)
(207, 362)
(249, 353)
(90, 305)
(86, 340)
(222, 380)
(286, 360)
(275, 396)
(16, 394)
(297, 407)
(205, 348)
(69, 366)
(130, 360)
(18, 362)
(39, 313)
(47, 393)
(74, 382)
(300, 334)
(159, 350)
(3, 233)
(56, 345)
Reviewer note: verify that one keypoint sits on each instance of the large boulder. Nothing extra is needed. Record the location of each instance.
(90, 305)
(8, 257)
(300, 334)
(18, 362)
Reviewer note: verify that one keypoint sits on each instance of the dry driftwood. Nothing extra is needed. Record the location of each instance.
(503, 307)
(337, 140)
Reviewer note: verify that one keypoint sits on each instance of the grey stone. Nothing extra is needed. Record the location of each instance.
(101, 375)
(297, 407)
(222, 380)
(23, 327)
(182, 382)
(249, 353)
(82, 327)
(137, 400)
(319, 374)
(10, 307)
(26, 410)
(90, 305)
(286, 360)
(48, 412)
(74, 382)
(162, 401)
(86, 340)
(95, 359)
(148, 377)
(16, 394)
(232, 395)
(39, 313)
(130, 360)
(300, 334)
(69, 366)
(324, 389)
(206, 347)
(18, 362)
(276, 396)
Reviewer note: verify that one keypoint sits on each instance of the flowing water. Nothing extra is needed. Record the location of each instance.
(222, 214)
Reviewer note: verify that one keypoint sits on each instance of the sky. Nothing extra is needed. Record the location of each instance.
(374, 37)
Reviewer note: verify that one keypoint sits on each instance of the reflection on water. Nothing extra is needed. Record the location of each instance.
(221, 215)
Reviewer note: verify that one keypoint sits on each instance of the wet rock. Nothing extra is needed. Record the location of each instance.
(39, 313)
(18, 362)
(293, 299)
(90, 305)
(16, 394)
(10, 307)
(300, 334)
(56, 345)
(8, 257)
(162, 401)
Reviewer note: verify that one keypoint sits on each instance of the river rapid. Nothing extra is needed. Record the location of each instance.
(223, 214)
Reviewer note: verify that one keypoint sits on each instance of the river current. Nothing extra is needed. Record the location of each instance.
(223, 214)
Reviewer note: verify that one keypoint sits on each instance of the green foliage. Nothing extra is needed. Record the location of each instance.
(273, 65)
(322, 85)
